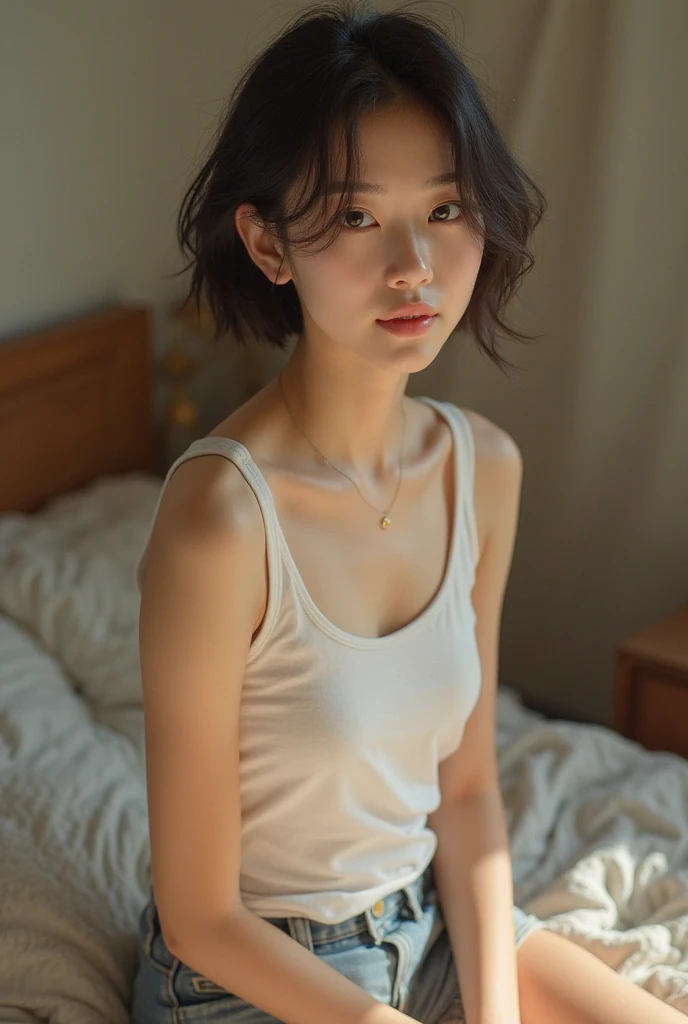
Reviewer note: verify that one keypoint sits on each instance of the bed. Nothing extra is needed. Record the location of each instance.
(598, 824)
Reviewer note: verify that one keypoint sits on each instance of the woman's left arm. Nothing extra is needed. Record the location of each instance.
(472, 864)
(472, 869)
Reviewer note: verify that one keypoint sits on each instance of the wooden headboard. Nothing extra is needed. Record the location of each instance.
(75, 404)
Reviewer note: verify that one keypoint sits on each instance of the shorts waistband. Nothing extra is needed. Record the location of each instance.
(375, 920)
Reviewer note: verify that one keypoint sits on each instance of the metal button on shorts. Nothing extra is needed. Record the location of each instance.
(377, 908)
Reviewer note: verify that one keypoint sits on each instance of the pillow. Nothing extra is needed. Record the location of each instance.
(67, 575)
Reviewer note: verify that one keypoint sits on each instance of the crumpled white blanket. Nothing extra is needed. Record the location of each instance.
(598, 826)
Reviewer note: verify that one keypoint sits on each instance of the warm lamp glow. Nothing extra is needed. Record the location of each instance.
(192, 319)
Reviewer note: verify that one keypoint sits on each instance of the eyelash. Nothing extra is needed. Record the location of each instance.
(352, 209)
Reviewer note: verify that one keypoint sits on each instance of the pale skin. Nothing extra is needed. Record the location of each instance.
(345, 383)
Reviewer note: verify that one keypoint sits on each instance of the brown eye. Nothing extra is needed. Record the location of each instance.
(352, 213)
(444, 207)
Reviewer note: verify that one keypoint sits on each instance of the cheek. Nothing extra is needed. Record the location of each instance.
(333, 290)
(340, 274)
(465, 259)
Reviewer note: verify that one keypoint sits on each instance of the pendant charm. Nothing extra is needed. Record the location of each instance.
(384, 523)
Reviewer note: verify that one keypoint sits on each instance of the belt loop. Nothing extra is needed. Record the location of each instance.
(300, 929)
(373, 926)
(412, 897)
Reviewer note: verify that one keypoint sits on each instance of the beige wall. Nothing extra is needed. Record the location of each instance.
(105, 108)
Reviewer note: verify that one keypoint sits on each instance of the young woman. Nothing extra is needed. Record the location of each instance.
(323, 579)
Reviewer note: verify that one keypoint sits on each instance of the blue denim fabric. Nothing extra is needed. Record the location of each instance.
(401, 956)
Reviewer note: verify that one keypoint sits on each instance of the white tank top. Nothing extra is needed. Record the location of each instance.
(341, 735)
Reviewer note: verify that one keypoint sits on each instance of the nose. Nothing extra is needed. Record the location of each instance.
(410, 266)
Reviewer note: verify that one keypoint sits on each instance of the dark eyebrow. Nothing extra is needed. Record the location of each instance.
(448, 178)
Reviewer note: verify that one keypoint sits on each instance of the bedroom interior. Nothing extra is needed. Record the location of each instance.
(104, 379)
(598, 822)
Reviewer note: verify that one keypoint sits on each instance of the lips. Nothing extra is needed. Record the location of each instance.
(415, 309)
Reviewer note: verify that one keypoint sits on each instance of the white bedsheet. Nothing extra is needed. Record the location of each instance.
(598, 826)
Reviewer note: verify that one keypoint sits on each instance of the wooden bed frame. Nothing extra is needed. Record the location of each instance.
(75, 404)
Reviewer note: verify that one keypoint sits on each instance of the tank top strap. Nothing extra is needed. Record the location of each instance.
(467, 479)
(465, 463)
(240, 456)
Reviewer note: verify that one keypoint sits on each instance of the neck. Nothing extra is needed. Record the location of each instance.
(357, 424)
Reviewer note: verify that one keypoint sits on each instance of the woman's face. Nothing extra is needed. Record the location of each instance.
(406, 244)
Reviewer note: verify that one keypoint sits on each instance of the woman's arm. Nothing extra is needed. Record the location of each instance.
(472, 865)
(472, 868)
(263, 965)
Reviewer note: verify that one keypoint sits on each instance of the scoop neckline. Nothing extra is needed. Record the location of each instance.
(314, 612)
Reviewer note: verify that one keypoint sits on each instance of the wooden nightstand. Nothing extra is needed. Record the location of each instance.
(651, 685)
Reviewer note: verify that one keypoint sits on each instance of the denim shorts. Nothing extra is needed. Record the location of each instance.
(397, 950)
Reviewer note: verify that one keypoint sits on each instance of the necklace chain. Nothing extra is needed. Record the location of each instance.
(385, 521)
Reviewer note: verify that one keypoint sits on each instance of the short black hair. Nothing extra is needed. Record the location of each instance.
(333, 64)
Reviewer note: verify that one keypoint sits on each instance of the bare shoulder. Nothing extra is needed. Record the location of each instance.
(493, 444)
(498, 472)
(210, 491)
(208, 514)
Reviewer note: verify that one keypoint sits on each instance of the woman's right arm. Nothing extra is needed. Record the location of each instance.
(201, 598)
